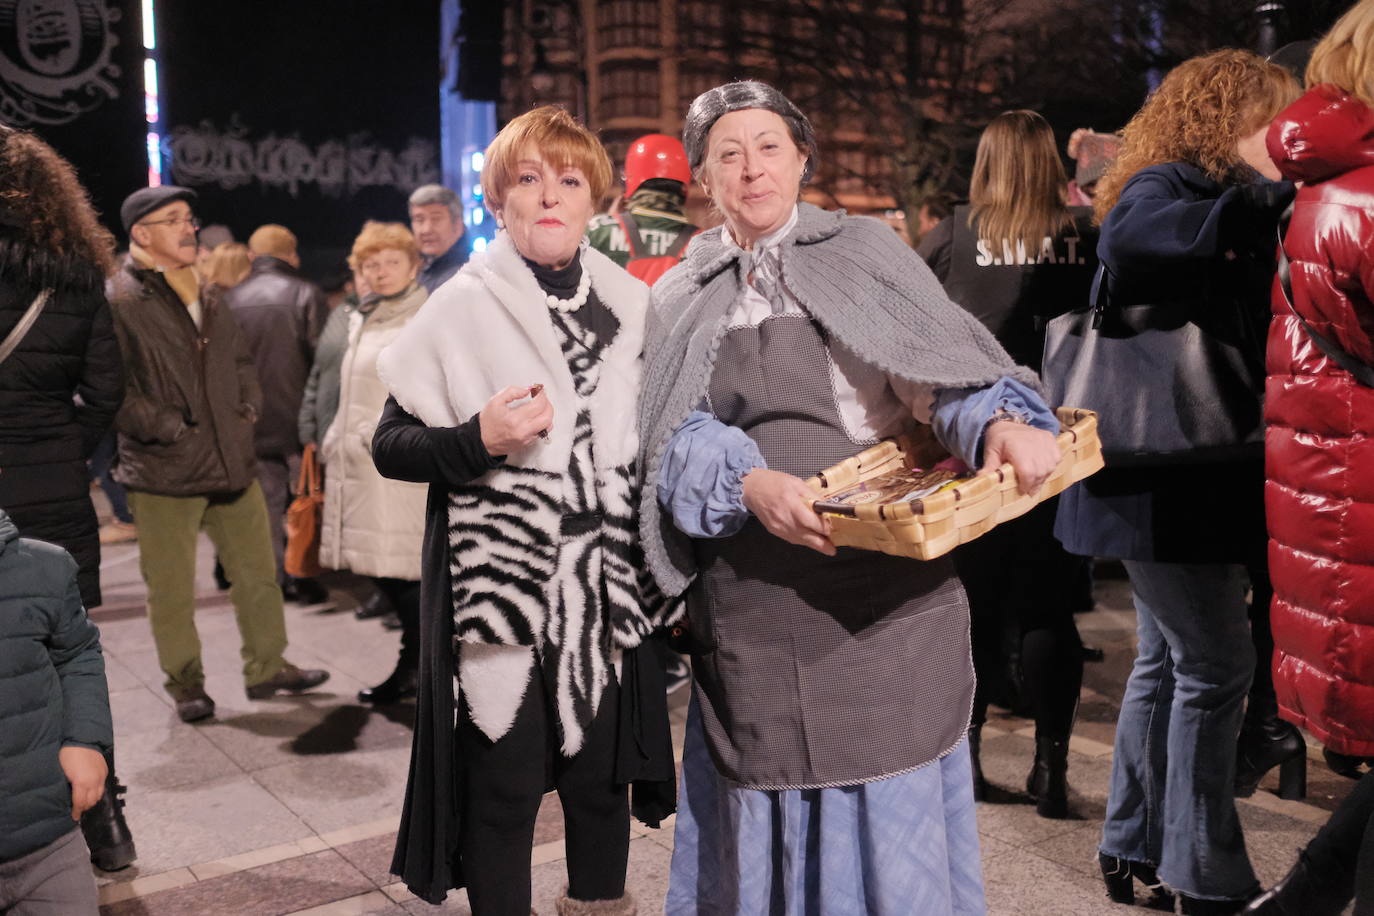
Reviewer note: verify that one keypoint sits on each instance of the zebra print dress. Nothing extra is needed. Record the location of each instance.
(552, 561)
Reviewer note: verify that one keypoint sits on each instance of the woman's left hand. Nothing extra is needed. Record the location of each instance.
(1032, 452)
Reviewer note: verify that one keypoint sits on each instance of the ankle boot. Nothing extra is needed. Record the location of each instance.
(400, 685)
(1048, 782)
(621, 906)
(975, 749)
(1264, 745)
(1120, 876)
(106, 831)
(1346, 765)
(1302, 892)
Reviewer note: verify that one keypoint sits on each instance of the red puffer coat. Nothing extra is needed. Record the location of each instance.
(1320, 440)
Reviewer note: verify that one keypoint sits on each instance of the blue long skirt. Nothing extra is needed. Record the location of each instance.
(893, 847)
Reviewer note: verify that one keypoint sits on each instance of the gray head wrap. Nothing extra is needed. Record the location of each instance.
(708, 107)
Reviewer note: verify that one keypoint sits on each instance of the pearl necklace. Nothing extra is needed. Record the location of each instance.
(567, 306)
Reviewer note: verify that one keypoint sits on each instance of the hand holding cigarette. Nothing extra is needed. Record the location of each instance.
(508, 427)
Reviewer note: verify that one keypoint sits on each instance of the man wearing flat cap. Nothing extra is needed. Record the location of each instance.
(186, 453)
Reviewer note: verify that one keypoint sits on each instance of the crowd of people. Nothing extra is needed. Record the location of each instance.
(547, 458)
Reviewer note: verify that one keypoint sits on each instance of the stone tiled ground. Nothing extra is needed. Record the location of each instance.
(290, 805)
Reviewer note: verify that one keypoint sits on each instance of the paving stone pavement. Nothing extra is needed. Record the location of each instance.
(290, 806)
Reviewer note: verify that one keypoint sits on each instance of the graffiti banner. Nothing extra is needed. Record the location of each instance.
(71, 71)
(315, 116)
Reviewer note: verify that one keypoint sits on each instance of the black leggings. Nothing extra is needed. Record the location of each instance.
(505, 782)
(404, 596)
(1018, 573)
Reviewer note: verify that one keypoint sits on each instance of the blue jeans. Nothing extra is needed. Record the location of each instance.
(101, 463)
(1172, 803)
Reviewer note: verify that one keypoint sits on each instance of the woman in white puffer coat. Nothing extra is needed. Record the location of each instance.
(372, 525)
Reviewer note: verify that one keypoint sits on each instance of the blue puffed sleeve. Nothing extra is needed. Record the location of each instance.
(961, 414)
(701, 482)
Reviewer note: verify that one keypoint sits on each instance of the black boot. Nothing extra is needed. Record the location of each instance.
(1346, 765)
(1300, 893)
(1120, 876)
(975, 748)
(107, 833)
(376, 605)
(399, 686)
(1048, 782)
(1264, 745)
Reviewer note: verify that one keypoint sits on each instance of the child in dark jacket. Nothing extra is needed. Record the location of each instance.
(54, 729)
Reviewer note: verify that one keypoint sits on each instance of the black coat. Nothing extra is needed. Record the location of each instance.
(1014, 297)
(59, 392)
(281, 315)
(426, 855)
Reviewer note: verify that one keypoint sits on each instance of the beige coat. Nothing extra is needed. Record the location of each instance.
(372, 525)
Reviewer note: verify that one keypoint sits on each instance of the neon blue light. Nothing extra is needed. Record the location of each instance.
(479, 244)
(477, 216)
(478, 160)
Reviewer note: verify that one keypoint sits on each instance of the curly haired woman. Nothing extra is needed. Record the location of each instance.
(59, 388)
(1188, 215)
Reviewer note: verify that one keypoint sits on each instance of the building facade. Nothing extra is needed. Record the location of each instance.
(631, 67)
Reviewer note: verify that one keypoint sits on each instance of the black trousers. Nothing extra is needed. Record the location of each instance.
(1019, 574)
(1263, 703)
(404, 596)
(1341, 855)
(505, 782)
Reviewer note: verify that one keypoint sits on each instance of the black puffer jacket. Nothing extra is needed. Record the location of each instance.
(280, 314)
(191, 394)
(47, 435)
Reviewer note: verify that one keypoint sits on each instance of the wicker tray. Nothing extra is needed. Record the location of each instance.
(934, 525)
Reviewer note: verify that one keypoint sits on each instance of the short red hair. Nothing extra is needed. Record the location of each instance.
(559, 139)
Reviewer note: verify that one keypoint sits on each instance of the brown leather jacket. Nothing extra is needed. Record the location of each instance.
(191, 395)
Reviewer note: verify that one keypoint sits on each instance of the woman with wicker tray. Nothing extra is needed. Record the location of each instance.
(1188, 215)
(1016, 255)
(833, 686)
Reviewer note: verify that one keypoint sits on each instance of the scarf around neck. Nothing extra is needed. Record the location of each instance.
(184, 281)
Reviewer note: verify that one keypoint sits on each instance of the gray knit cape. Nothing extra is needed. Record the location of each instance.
(854, 275)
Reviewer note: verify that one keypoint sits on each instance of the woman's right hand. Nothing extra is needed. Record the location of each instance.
(505, 429)
(783, 503)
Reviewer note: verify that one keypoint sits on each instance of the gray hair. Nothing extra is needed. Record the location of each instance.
(708, 108)
(427, 194)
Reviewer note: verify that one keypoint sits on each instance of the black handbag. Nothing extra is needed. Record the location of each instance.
(1172, 382)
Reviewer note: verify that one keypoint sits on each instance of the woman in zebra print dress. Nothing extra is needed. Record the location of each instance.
(513, 396)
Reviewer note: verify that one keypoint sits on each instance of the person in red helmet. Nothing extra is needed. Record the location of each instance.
(650, 233)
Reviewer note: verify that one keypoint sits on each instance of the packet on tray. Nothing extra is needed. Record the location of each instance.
(901, 487)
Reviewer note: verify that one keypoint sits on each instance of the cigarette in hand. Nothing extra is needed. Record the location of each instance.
(535, 391)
